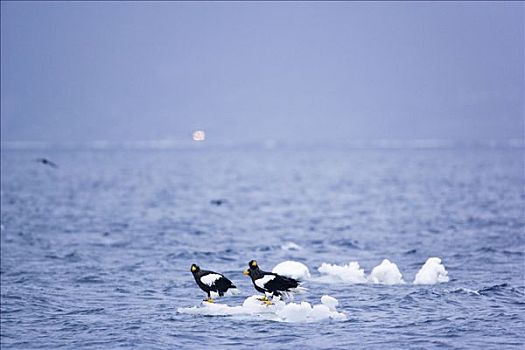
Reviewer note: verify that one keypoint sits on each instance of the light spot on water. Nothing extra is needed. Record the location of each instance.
(198, 135)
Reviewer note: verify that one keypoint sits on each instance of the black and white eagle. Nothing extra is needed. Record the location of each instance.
(213, 283)
(271, 283)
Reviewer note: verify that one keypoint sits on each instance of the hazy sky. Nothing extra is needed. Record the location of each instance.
(252, 71)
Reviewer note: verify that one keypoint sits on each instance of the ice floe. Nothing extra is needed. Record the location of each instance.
(293, 269)
(279, 311)
(386, 273)
(432, 272)
(329, 302)
(350, 273)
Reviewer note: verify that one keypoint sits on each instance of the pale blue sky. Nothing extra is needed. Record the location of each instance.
(125, 71)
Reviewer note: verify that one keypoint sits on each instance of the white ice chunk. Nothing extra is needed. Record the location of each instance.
(329, 302)
(295, 312)
(253, 306)
(279, 311)
(432, 272)
(350, 273)
(386, 273)
(320, 312)
(293, 269)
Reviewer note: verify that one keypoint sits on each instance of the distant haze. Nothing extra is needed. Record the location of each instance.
(248, 71)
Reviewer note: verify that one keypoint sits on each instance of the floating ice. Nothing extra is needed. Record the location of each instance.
(350, 273)
(432, 272)
(290, 246)
(304, 312)
(280, 311)
(329, 302)
(386, 273)
(293, 269)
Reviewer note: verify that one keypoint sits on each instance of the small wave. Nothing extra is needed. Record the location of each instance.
(72, 257)
(462, 291)
(89, 279)
(291, 246)
(490, 290)
(187, 254)
(265, 248)
(486, 250)
(510, 252)
(493, 289)
(252, 308)
(85, 311)
(347, 243)
(11, 296)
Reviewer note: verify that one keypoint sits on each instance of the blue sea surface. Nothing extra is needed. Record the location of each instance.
(96, 253)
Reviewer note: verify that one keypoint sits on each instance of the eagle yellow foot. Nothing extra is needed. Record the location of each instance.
(267, 302)
(264, 298)
(209, 300)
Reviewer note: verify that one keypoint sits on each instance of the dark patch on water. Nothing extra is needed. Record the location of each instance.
(89, 279)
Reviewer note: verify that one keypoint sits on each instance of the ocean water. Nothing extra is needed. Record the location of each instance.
(96, 253)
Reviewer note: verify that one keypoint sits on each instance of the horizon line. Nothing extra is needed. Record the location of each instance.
(167, 144)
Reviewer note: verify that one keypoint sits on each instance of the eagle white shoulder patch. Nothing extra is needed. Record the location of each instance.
(210, 279)
(262, 281)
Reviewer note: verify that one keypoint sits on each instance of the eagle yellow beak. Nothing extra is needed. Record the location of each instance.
(193, 268)
(246, 272)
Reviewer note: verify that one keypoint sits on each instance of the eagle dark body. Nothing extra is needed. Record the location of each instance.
(278, 285)
(269, 282)
(215, 282)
